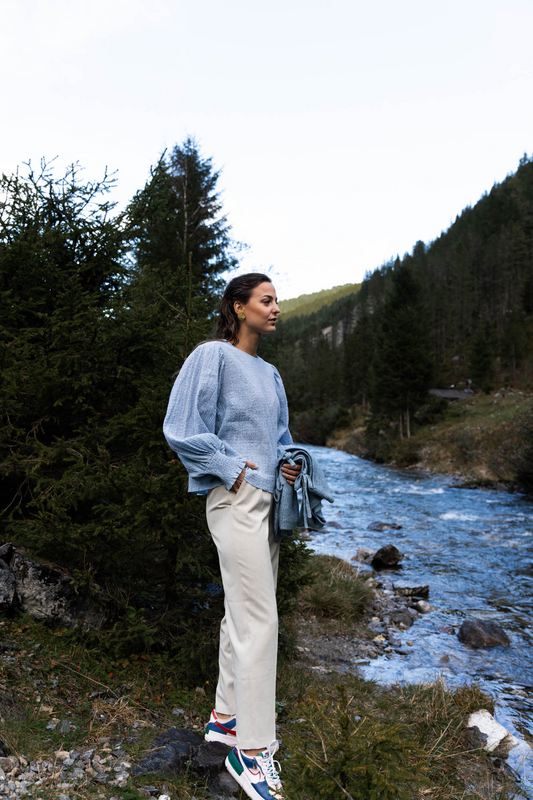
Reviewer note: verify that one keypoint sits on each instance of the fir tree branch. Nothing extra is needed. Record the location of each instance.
(333, 778)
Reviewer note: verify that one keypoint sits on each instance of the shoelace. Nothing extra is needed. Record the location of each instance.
(269, 766)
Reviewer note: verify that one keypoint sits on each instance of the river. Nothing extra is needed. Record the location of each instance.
(474, 548)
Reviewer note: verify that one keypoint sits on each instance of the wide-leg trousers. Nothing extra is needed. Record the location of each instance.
(241, 526)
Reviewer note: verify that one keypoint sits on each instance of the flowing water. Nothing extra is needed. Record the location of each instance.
(474, 549)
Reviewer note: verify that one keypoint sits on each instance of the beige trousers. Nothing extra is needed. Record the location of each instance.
(241, 527)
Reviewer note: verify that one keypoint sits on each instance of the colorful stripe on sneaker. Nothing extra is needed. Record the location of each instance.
(218, 731)
(248, 775)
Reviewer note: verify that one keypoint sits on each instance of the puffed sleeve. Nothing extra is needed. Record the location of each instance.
(284, 436)
(189, 425)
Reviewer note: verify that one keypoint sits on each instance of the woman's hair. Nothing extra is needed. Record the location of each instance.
(238, 290)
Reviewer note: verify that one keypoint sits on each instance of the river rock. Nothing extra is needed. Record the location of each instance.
(482, 633)
(387, 556)
(402, 618)
(425, 608)
(447, 629)
(491, 735)
(383, 526)
(410, 591)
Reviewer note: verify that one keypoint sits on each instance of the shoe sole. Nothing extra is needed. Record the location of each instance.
(223, 738)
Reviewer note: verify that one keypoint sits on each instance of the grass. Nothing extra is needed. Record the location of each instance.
(337, 590)
(361, 741)
(342, 737)
(476, 438)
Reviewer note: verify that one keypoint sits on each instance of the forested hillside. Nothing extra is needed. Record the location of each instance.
(308, 303)
(456, 312)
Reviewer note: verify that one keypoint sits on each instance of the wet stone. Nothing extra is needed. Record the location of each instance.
(383, 526)
(425, 608)
(482, 633)
(446, 629)
(401, 618)
(387, 556)
(403, 590)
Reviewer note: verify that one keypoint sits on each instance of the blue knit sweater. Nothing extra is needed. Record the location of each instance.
(226, 408)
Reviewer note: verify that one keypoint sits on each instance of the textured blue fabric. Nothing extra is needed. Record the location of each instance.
(288, 513)
(226, 408)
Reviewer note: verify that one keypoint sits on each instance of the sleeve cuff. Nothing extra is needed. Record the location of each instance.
(226, 467)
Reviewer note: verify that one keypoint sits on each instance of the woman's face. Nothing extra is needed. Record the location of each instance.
(261, 309)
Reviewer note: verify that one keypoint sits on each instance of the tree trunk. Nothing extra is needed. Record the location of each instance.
(408, 423)
(401, 426)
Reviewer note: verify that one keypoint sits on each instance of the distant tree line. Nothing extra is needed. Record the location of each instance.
(98, 312)
(457, 312)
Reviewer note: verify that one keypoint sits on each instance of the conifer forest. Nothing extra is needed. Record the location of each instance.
(457, 312)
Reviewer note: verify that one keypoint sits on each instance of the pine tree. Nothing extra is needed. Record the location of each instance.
(402, 366)
(87, 478)
(178, 226)
(481, 358)
(358, 357)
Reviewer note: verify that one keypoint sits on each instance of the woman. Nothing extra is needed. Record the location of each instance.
(227, 420)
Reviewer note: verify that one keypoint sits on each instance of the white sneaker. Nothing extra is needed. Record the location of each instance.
(250, 776)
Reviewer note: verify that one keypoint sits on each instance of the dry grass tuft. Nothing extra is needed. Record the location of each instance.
(337, 590)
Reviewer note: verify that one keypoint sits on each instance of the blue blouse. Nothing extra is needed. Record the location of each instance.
(227, 407)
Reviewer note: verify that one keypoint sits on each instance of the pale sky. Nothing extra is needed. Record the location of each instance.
(345, 130)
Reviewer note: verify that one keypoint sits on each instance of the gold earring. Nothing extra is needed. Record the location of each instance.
(241, 315)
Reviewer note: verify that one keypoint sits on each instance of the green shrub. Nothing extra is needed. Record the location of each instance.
(406, 453)
(337, 753)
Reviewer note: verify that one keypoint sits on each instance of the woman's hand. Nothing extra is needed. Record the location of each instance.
(290, 473)
(237, 485)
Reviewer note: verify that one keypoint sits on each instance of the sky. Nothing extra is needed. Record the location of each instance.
(345, 131)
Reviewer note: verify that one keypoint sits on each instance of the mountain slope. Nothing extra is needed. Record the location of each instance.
(308, 303)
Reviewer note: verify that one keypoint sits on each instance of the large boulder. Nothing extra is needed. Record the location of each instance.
(45, 593)
(482, 633)
(387, 556)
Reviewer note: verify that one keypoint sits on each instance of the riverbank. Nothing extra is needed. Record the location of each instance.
(75, 724)
(475, 439)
